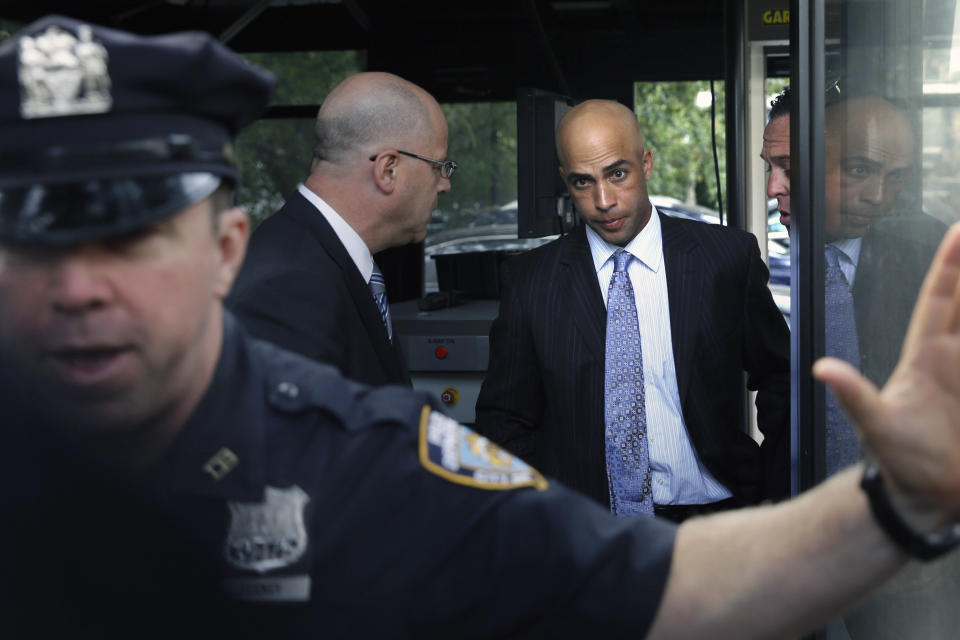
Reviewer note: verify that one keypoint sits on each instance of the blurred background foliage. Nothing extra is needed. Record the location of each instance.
(274, 154)
(483, 141)
(675, 120)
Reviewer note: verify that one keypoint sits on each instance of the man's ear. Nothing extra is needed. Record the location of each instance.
(232, 233)
(385, 171)
(647, 164)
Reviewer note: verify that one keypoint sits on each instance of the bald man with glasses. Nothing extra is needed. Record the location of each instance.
(310, 283)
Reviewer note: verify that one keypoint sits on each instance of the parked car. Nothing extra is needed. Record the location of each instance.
(503, 237)
(776, 232)
(495, 237)
(778, 246)
(778, 242)
(680, 209)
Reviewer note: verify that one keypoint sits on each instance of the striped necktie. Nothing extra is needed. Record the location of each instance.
(627, 452)
(840, 341)
(378, 287)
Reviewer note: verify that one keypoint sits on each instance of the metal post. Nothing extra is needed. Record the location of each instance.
(807, 31)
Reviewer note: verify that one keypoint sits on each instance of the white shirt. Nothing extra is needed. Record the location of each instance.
(351, 240)
(679, 476)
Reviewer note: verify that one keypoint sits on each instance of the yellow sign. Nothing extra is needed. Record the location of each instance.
(776, 16)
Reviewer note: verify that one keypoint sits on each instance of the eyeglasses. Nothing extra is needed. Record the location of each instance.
(447, 167)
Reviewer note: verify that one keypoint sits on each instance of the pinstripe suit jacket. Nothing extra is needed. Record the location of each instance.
(300, 289)
(543, 395)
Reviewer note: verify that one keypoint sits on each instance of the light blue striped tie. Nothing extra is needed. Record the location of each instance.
(628, 457)
(840, 341)
(378, 287)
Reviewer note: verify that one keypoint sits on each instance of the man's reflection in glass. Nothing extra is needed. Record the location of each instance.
(880, 245)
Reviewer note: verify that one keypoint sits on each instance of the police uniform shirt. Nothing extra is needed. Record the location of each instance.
(296, 503)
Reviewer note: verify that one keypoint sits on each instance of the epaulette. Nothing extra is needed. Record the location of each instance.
(394, 404)
(297, 384)
(444, 447)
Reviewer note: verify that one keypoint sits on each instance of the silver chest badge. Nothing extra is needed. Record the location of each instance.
(63, 75)
(270, 534)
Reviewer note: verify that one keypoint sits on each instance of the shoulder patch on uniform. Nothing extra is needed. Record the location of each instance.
(458, 454)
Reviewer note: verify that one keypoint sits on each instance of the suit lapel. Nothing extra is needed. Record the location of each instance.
(355, 285)
(579, 276)
(684, 281)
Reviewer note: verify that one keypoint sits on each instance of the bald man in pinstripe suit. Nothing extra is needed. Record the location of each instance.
(705, 317)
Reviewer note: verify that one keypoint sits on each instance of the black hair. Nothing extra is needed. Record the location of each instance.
(782, 104)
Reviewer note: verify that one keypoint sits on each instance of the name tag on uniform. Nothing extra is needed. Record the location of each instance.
(269, 589)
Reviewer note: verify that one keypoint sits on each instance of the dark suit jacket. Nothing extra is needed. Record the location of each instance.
(894, 258)
(543, 395)
(300, 289)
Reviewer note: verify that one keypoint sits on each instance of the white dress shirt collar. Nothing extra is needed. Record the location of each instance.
(351, 240)
(646, 247)
(849, 250)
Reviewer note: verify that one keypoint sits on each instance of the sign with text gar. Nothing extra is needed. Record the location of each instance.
(769, 20)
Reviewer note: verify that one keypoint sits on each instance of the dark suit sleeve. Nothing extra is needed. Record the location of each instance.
(284, 310)
(510, 406)
(766, 360)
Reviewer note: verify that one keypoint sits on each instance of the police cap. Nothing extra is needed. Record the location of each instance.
(103, 132)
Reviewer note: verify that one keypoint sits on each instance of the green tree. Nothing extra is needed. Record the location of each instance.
(678, 133)
(483, 140)
(274, 154)
(306, 77)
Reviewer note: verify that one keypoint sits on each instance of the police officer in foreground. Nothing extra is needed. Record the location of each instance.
(165, 473)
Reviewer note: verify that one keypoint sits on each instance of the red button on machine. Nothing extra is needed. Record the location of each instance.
(440, 352)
